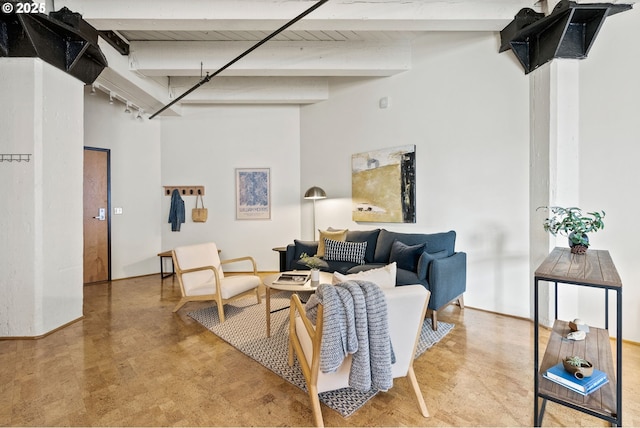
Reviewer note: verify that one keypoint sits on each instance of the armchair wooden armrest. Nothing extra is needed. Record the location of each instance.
(242, 259)
(309, 371)
(197, 269)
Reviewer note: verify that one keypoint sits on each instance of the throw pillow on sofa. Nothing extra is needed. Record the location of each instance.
(304, 247)
(368, 236)
(425, 261)
(385, 276)
(336, 235)
(406, 256)
(344, 251)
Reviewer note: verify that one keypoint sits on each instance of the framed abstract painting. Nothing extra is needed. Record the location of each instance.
(383, 185)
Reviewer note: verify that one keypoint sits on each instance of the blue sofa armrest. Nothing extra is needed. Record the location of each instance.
(447, 279)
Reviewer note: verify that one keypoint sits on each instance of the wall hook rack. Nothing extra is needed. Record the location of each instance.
(15, 157)
(184, 190)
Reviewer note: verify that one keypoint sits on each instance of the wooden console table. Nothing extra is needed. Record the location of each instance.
(166, 255)
(593, 269)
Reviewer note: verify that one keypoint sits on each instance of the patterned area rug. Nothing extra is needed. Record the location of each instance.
(245, 329)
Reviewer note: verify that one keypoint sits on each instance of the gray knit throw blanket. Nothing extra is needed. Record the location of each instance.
(355, 322)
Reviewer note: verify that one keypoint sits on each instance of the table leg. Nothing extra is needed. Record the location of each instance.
(173, 268)
(268, 296)
(541, 414)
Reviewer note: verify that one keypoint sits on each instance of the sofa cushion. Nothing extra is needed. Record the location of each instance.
(406, 277)
(336, 235)
(368, 236)
(406, 255)
(342, 267)
(384, 276)
(368, 266)
(441, 241)
(344, 251)
(425, 261)
(309, 248)
(434, 242)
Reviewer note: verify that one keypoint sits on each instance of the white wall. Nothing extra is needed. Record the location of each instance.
(204, 147)
(462, 104)
(41, 210)
(135, 183)
(465, 107)
(609, 153)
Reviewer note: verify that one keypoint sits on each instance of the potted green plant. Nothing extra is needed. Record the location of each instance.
(578, 366)
(574, 224)
(314, 263)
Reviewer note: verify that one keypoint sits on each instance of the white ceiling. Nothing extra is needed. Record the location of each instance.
(173, 42)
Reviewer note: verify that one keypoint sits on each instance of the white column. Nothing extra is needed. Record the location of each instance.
(41, 209)
(554, 156)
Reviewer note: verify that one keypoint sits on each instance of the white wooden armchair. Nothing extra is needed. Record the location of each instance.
(406, 307)
(199, 271)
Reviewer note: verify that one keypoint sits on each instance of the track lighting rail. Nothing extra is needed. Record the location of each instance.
(130, 107)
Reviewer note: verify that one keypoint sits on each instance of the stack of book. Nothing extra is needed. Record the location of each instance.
(292, 278)
(583, 386)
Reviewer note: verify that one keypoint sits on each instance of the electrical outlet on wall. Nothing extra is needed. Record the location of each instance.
(117, 211)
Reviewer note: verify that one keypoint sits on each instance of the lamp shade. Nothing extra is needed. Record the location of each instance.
(315, 193)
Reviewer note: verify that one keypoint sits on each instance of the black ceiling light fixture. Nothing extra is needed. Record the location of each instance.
(242, 55)
(567, 32)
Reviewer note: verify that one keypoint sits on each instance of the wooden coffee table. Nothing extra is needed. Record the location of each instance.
(325, 278)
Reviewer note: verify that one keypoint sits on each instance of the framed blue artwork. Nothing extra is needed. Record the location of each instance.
(253, 193)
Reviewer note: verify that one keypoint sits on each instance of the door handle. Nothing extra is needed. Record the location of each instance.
(102, 214)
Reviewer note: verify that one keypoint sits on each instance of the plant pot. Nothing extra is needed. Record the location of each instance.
(315, 275)
(578, 248)
(579, 372)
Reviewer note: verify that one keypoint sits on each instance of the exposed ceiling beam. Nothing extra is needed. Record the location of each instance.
(265, 15)
(272, 59)
(253, 90)
(148, 94)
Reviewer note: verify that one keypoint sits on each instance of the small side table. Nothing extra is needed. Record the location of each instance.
(595, 269)
(164, 255)
(283, 257)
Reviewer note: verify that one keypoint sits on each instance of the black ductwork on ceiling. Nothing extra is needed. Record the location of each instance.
(62, 39)
(567, 32)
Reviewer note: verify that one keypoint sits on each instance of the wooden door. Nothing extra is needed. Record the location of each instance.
(97, 221)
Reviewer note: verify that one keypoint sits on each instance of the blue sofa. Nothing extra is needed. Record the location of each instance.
(427, 259)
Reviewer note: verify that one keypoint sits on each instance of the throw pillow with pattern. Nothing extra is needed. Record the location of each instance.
(344, 251)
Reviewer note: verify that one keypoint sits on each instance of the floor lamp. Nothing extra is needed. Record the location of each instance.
(314, 193)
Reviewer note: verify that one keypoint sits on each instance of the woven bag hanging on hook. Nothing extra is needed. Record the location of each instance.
(199, 215)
